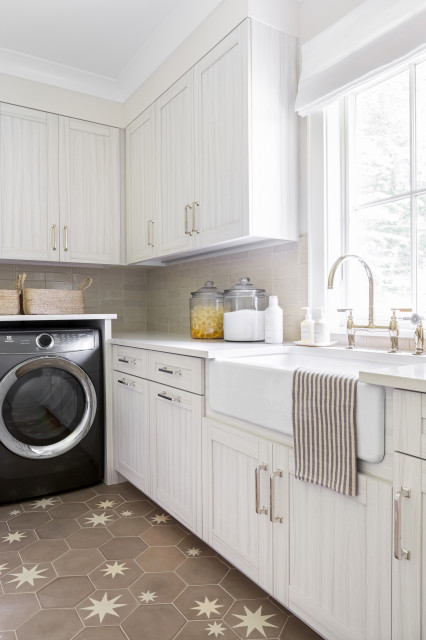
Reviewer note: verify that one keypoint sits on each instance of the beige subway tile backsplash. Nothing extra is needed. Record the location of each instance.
(280, 269)
(157, 298)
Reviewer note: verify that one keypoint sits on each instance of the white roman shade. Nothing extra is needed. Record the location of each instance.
(377, 35)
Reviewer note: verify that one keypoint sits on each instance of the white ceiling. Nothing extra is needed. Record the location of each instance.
(100, 47)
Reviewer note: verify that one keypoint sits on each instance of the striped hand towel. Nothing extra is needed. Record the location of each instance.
(324, 429)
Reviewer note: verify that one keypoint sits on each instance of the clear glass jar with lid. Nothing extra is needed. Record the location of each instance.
(206, 312)
(244, 318)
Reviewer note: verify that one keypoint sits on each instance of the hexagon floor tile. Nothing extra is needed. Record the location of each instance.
(102, 563)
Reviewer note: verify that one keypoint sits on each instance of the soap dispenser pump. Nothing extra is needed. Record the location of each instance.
(307, 328)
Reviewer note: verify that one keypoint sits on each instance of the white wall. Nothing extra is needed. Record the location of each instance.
(317, 15)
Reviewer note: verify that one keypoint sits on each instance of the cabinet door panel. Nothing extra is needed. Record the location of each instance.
(89, 192)
(340, 567)
(231, 524)
(29, 206)
(176, 452)
(175, 164)
(280, 530)
(131, 425)
(140, 189)
(221, 167)
(407, 573)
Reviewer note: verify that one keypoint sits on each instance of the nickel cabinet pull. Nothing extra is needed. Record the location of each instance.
(194, 205)
(173, 372)
(150, 229)
(127, 384)
(53, 237)
(171, 398)
(261, 467)
(126, 361)
(187, 207)
(272, 515)
(398, 552)
(65, 238)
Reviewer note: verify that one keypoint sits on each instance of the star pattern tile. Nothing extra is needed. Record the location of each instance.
(160, 518)
(147, 596)
(28, 575)
(254, 621)
(104, 607)
(98, 518)
(207, 607)
(115, 569)
(102, 558)
(215, 629)
(44, 502)
(16, 536)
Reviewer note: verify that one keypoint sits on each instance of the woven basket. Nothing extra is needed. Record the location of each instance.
(10, 299)
(54, 301)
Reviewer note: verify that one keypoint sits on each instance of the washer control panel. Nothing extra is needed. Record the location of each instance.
(47, 341)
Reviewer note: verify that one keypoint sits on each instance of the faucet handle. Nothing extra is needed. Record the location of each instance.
(343, 310)
(394, 310)
(415, 318)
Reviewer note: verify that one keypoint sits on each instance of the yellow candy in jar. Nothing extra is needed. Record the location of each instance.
(207, 321)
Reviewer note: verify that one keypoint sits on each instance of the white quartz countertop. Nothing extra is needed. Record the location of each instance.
(48, 318)
(404, 370)
(184, 345)
(410, 377)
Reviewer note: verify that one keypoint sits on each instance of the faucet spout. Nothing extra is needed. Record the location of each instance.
(370, 283)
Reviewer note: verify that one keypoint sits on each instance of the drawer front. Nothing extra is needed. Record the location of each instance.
(409, 425)
(181, 372)
(130, 360)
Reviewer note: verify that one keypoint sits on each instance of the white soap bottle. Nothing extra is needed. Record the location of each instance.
(307, 328)
(273, 322)
(321, 329)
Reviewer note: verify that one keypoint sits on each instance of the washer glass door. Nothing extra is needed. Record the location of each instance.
(48, 405)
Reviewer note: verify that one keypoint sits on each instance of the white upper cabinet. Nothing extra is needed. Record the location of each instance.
(29, 207)
(60, 188)
(89, 174)
(221, 133)
(175, 165)
(142, 232)
(226, 147)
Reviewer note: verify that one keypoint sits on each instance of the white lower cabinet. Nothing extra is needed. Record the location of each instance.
(131, 420)
(340, 562)
(158, 433)
(175, 418)
(352, 568)
(324, 555)
(245, 484)
(409, 554)
(409, 518)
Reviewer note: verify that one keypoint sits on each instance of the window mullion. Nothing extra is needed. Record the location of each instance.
(413, 182)
(349, 177)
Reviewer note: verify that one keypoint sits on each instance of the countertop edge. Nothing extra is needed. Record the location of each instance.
(406, 383)
(199, 349)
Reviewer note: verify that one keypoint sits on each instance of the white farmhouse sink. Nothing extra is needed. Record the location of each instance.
(259, 390)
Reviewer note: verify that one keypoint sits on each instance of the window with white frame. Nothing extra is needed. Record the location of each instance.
(375, 148)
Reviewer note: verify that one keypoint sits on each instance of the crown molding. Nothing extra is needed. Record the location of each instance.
(178, 25)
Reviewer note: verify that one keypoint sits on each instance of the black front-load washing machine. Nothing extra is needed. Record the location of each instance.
(51, 411)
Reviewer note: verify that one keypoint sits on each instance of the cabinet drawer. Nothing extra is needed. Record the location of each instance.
(130, 360)
(181, 372)
(409, 427)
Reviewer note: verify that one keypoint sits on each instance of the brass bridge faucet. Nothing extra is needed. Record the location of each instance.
(350, 324)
